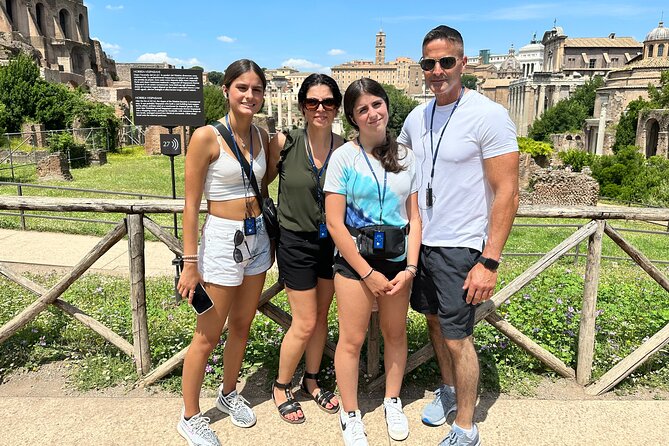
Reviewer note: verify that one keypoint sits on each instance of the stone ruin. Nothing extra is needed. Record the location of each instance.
(54, 167)
(555, 186)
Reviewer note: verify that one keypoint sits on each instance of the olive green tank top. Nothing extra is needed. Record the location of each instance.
(299, 209)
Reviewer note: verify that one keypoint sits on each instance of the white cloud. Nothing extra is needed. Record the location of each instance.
(336, 52)
(226, 39)
(163, 57)
(305, 65)
(110, 48)
(114, 7)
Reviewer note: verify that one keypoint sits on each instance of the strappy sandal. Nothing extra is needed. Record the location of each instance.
(323, 398)
(290, 406)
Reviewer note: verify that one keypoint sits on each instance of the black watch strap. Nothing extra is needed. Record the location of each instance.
(490, 264)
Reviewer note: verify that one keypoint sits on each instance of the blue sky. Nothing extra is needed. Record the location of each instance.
(315, 35)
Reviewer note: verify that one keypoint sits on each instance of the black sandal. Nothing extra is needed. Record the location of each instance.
(323, 398)
(290, 406)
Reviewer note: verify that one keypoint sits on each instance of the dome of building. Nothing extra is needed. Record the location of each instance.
(659, 33)
(531, 47)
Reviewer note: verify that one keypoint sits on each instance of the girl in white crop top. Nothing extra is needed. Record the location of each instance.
(230, 262)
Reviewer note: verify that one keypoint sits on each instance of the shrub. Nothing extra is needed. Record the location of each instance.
(534, 148)
(65, 143)
(577, 159)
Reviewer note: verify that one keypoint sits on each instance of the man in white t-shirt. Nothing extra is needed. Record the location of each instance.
(467, 174)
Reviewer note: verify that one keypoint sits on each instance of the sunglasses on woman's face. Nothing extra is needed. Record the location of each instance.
(446, 63)
(312, 104)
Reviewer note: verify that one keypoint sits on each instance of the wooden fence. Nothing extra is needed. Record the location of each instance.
(136, 222)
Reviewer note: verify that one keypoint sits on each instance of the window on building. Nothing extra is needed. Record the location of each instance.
(660, 50)
(614, 60)
(650, 50)
(592, 63)
(10, 10)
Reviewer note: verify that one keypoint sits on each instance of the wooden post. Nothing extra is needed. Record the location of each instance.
(21, 319)
(176, 360)
(586, 332)
(373, 345)
(638, 257)
(630, 363)
(71, 310)
(533, 271)
(140, 327)
(531, 347)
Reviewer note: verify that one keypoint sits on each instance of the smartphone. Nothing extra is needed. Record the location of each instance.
(201, 300)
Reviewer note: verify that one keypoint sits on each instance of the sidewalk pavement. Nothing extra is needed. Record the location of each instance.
(151, 420)
(57, 250)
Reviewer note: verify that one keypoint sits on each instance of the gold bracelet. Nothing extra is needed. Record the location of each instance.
(189, 256)
(190, 260)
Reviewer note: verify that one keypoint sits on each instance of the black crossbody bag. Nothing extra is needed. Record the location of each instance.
(270, 217)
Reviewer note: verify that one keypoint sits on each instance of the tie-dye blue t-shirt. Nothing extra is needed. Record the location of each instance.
(349, 174)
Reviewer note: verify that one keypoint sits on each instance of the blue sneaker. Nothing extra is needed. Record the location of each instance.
(458, 437)
(435, 413)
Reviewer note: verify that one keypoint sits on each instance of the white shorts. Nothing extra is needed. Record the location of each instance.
(215, 256)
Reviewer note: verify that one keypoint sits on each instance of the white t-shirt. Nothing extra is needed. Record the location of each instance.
(479, 129)
(349, 174)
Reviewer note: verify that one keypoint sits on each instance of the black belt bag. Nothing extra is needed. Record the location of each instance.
(379, 242)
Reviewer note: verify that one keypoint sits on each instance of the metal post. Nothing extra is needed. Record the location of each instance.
(174, 185)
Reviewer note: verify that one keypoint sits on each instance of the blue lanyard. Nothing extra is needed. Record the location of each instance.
(239, 153)
(318, 172)
(378, 185)
(436, 152)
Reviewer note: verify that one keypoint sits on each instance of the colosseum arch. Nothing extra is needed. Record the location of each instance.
(83, 28)
(65, 21)
(40, 18)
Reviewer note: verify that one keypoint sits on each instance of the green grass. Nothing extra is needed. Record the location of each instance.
(130, 170)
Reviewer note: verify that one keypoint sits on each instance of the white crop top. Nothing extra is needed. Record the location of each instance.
(225, 178)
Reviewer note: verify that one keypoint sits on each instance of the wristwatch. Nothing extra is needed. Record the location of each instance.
(490, 264)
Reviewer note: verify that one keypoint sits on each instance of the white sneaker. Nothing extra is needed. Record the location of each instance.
(237, 407)
(196, 431)
(352, 428)
(398, 425)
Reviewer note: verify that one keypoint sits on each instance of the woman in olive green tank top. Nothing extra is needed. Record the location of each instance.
(305, 249)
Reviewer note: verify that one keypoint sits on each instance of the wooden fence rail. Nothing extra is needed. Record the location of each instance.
(136, 222)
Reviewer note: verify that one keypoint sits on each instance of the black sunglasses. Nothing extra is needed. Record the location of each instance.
(237, 254)
(446, 63)
(312, 104)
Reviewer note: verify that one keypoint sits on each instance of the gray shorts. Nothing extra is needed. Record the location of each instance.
(437, 288)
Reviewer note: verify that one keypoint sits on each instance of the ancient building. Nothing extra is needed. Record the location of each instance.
(567, 64)
(627, 84)
(498, 89)
(403, 72)
(55, 33)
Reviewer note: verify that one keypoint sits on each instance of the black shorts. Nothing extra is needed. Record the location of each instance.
(385, 267)
(437, 288)
(303, 258)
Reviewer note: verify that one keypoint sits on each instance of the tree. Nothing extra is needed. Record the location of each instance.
(215, 104)
(216, 77)
(54, 104)
(469, 81)
(568, 114)
(400, 106)
(16, 90)
(659, 97)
